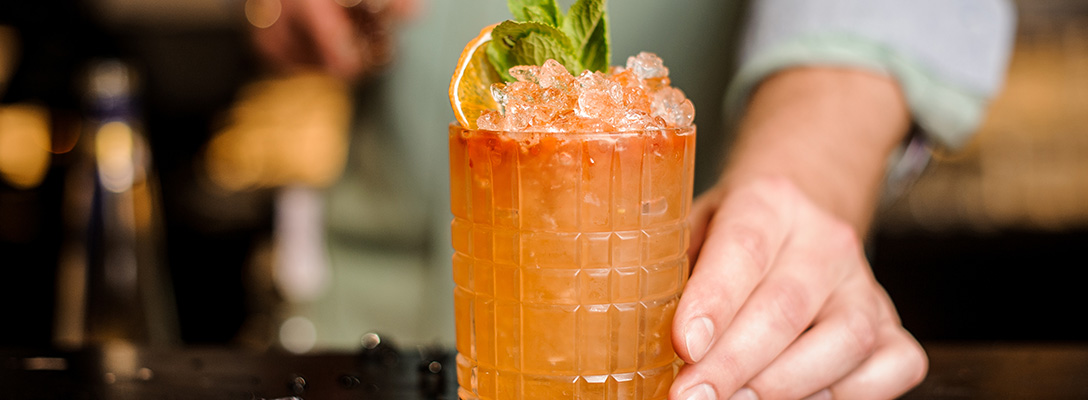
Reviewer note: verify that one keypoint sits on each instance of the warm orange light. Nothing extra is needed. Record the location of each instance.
(24, 145)
(263, 13)
(283, 131)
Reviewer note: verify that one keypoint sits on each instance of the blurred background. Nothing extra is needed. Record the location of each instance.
(989, 242)
(166, 179)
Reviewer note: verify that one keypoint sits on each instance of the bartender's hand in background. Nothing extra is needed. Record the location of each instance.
(346, 38)
(291, 127)
(781, 303)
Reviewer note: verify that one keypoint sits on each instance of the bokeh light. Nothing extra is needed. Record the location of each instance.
(113, 152)
(298, 335)
(263, 13)
(24, 144)
(282, 131)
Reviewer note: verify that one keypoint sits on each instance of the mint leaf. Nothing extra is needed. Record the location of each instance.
(579, 40)
(544, 11)
(537, 46)
(528, 43)
(543, 15)
(582, 19)
(587, 26)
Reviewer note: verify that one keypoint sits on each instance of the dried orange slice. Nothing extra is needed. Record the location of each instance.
(470, 87)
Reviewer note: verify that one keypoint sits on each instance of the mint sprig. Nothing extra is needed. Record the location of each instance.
(578, 39)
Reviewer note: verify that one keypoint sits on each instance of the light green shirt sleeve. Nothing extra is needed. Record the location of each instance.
(948, 56)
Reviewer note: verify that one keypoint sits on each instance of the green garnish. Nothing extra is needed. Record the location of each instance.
(578, 39)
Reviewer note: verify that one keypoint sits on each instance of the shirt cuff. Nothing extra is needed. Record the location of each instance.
(946, 114)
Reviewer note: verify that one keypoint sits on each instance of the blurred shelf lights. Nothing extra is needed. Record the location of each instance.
(25, 145)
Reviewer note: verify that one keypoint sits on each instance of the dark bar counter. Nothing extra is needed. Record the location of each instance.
(972, 370)
(118, 371)
(966, 370)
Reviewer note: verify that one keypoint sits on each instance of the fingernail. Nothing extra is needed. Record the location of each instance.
(700, 392)
(744, 394)
(697, 337)
(821, 395)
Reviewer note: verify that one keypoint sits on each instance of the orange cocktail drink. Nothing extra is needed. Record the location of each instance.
(570, 256)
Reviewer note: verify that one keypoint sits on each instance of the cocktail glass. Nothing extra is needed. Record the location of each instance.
(570, 257)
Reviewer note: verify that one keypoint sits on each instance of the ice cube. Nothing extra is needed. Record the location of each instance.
(671, 105)
(554, 75)
(526, 73)
(490, 120)
(498, 93)
(634, 120)
(647, 66)
(549, 98)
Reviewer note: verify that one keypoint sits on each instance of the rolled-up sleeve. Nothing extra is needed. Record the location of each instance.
(949, 56)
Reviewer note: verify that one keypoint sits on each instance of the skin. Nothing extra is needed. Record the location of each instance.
(781, 303)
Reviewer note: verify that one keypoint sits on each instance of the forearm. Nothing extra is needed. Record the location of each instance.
(829, 131)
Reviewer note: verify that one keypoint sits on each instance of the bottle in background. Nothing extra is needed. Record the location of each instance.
(112, 282)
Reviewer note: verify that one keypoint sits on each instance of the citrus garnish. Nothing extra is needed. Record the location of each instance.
(470, 88)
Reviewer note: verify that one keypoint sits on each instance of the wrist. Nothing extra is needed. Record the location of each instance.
(829, 131)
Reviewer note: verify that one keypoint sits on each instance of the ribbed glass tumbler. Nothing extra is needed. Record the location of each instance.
(570, 256)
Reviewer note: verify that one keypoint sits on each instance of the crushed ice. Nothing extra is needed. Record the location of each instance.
(547, 98)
